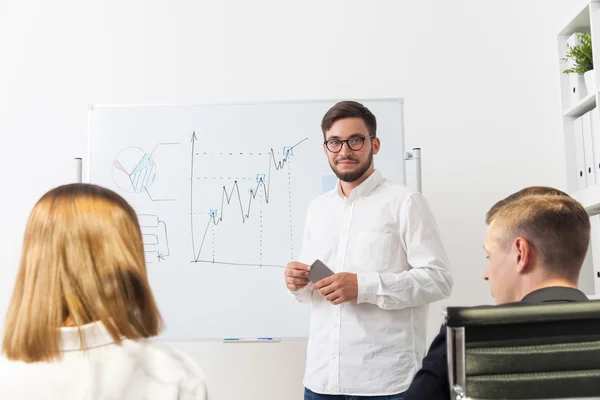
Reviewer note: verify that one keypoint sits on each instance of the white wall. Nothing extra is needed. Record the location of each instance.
(479, 78)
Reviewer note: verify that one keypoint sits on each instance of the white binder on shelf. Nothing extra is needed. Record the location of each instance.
(577, 88)
(579, 154)
(595, 124)
(588, 149)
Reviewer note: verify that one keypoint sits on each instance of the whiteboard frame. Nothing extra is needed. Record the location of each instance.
(87, 162)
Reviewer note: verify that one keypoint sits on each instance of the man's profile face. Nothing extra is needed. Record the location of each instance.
(501, 270)
(349, 165)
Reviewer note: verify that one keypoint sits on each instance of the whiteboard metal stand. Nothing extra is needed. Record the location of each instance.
(415, 156)
(78, 169)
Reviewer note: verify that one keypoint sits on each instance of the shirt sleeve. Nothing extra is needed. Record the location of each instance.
(431, 381)
(428, 278)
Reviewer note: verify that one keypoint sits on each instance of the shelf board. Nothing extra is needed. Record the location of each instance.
(589, 199)
(584, 105)
(579, 22)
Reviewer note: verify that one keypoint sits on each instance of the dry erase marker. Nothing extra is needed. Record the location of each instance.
(261, 339)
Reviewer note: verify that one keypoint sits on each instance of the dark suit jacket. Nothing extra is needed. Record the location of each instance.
(431, 382)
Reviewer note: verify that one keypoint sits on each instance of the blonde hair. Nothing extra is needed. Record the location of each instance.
(554, 224)
(82, 260)
(528, 191)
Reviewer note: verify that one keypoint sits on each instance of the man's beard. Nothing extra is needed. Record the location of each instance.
(352, 176)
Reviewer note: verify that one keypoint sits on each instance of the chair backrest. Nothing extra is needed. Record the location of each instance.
(545, 351)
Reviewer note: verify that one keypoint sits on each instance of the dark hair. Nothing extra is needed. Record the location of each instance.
(531, 190)
(349, 109)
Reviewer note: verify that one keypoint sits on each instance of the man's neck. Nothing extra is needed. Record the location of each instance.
(348, 187)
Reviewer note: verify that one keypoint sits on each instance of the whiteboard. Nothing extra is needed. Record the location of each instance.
(221, 193)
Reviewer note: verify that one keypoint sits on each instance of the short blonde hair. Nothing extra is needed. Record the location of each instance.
(554, 224)
(528, 191)
(82, 260)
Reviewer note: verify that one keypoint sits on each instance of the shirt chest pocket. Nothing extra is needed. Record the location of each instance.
(371, 252)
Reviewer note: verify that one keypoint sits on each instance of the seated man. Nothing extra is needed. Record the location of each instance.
(536, 242)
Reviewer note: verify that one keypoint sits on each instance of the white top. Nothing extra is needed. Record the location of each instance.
(136, 369)
(387, 235)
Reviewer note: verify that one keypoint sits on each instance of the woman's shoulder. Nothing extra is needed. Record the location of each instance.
(167, 364)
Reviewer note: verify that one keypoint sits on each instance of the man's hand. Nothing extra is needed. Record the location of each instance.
(296, 275)
(338, 288)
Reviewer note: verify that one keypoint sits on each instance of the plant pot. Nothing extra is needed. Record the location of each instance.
(589, 81)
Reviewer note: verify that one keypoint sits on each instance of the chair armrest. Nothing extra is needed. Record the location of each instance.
(521, 314)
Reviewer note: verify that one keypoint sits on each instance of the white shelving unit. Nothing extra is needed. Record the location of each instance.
(584, 19)
(584, 105)
(589, 199)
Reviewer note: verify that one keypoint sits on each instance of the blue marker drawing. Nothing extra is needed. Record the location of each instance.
(213, 213)
(288, 151)
(260, 178)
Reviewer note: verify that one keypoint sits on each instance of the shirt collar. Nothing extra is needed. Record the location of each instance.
(94, 334)
(362, 190)
(555, 293)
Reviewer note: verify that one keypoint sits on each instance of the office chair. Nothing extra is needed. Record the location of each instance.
(542, 351)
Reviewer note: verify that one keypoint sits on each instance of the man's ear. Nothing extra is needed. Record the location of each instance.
(376, 145)
(523, 254)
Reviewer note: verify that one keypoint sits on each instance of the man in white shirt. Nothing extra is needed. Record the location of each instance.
(368, 321)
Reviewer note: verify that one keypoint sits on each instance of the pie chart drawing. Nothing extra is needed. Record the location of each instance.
(133, 170)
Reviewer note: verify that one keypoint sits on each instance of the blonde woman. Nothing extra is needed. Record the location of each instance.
(82, 310)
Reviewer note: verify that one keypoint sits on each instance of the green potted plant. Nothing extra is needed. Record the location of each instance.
(579, 59)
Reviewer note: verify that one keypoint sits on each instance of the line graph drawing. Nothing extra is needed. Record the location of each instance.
(155, 237)
(134, 170)
(237, 205)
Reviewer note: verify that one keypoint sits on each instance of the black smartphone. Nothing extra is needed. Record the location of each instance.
(318, 271)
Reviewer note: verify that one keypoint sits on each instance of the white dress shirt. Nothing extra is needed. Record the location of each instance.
(136, 369)
(386, 234)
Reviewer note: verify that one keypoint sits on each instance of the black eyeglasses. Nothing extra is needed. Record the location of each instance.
(354, 143)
